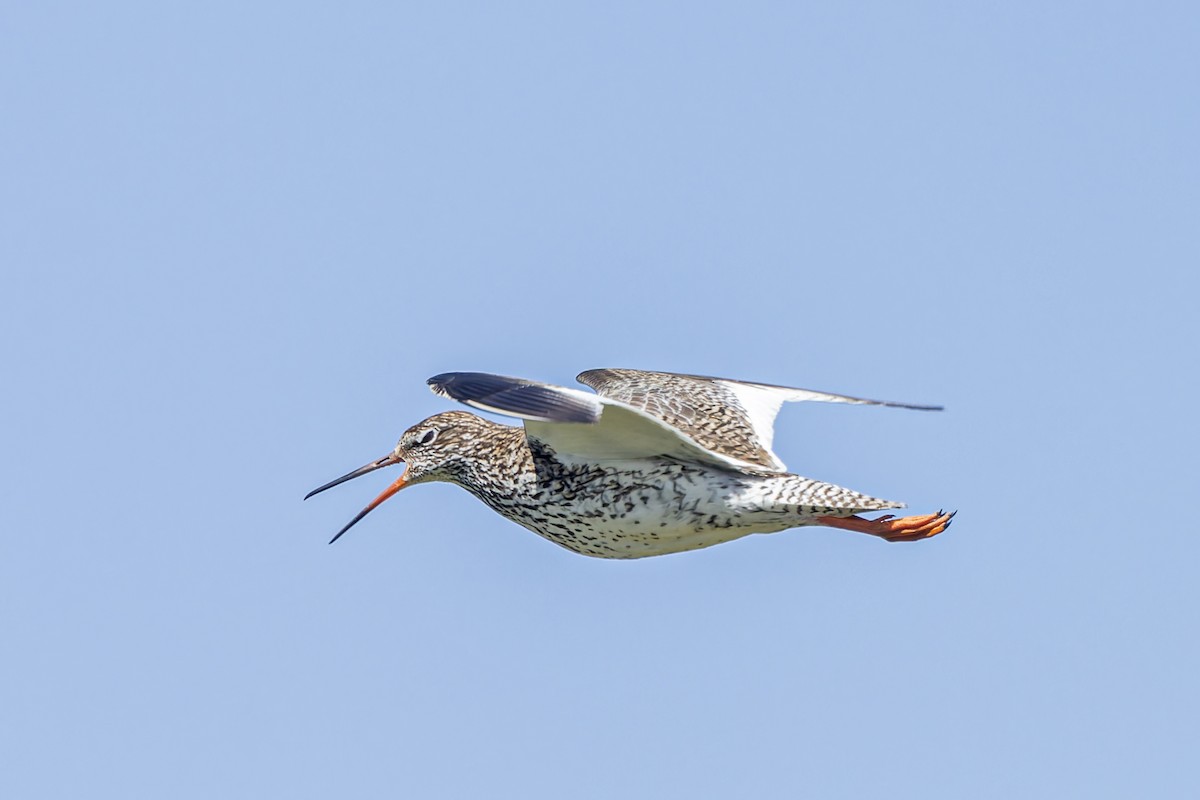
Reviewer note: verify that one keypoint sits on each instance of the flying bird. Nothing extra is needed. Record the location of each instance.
(652, 463)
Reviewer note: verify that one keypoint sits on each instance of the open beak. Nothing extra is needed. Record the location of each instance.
(386, 461)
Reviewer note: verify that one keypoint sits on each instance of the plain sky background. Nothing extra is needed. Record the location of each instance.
(236, 238)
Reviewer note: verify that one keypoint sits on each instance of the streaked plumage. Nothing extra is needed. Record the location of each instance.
(652, 463)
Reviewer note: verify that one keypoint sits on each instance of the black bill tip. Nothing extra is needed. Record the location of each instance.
(386, 461)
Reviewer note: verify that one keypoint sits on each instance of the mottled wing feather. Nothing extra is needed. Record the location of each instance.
(733, 418)
(706, 410)
(578, 424)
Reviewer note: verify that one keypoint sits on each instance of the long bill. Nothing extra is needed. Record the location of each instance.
(399, 484)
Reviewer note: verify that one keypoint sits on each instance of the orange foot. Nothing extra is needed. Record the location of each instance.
(905, 529)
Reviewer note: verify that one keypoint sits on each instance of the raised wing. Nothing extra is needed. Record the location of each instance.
(580, 424)
(726, 417)
(516, 397)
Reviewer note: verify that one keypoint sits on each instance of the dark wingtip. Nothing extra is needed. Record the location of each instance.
(915, 407)
(516, 397)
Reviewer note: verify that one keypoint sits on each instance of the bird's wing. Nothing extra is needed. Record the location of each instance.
(581, 425)
(726, 417)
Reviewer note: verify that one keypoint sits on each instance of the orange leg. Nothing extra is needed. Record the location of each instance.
(905, 529)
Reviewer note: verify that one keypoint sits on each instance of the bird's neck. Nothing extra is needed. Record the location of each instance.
(503, 471)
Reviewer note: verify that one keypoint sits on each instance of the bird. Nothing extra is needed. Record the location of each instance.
(647, 464)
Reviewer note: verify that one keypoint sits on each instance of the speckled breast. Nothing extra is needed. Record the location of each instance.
(629, 509)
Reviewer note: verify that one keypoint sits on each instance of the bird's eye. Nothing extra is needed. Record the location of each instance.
(427, 437)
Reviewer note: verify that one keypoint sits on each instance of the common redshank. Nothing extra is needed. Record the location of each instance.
(652, 463)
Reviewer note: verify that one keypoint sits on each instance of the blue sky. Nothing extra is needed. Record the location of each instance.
(237, 239)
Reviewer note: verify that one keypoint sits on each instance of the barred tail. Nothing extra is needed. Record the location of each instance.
(809, 496)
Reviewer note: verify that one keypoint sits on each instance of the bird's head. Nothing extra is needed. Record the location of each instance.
(443, 447)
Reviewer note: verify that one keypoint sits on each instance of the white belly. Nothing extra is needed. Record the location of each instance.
(632, 513)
